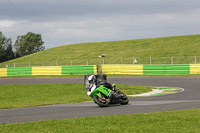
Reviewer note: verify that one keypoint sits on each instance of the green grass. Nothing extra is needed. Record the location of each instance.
(114, 75)
(155, 47)
(182, 121)
(13, 96)
(45, 76)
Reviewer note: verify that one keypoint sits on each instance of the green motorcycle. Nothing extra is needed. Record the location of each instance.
(104, 96)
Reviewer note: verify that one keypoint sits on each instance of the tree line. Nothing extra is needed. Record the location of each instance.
(24, 45)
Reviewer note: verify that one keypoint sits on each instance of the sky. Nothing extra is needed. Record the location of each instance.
(62, 22)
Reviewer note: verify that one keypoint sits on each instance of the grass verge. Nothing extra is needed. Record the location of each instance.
(183, 121)
(113, 75)
(14, 96)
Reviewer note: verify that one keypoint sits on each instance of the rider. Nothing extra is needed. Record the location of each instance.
(93, 80)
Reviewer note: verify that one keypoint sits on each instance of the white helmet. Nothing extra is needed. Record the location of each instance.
(91, 79)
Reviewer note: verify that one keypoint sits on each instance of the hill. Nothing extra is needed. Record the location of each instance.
(188, 45)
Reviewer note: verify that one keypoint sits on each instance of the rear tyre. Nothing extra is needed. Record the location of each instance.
(124, 99)
(102, 102)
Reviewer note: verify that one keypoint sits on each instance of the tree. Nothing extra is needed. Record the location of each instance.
(6, 52)
(28, 44)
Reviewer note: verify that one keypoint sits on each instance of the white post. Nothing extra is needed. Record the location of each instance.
(100, 69)
(103, 60)
(56, 62)
(14, 65)
(87, 62)
(172, 60)
(150, 61)
(195, 58)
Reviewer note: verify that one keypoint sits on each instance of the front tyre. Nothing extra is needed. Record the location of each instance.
(100, 101)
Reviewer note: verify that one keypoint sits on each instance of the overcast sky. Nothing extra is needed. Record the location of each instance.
(62, 22)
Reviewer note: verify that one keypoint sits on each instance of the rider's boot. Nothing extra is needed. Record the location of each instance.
(116, 94)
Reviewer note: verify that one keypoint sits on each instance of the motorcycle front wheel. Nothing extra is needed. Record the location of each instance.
(102, 102)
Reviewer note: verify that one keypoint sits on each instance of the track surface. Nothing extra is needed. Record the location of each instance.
(188, 99)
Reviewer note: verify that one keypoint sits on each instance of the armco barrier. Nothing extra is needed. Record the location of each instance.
(194, 68)
(67, 70)
(166, 69)
(19, 71)
(148, 69)
(106, 69)
(3, 72)
(123, 69)
(48, 70)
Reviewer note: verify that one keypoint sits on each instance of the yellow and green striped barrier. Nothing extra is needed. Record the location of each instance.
(184, 69)
(194, 69)
(3, 72)
(166, 69)
(48, 70)
(19, 71)
(180, 69)
(123, 69)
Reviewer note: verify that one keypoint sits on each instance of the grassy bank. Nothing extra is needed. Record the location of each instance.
(13, 96)
(183, 121)
(155, 47)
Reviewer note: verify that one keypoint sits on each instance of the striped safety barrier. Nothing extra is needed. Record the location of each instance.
(48, 70)
(181, 69)
(123, 69)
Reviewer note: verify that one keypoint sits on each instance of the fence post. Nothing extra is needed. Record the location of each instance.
(195, 58)
(100, 68)
(150, 61)
(29, 64)
(172, 60)
(14, 65)
(56, 62)
(87, 62)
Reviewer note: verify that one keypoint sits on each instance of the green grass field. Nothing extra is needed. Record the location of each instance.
(182, 121)
(13, 96)
(155, 47)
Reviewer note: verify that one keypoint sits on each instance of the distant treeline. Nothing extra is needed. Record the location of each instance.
(24, 45)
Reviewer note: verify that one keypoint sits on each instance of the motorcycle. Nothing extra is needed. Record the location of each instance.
(104, 97)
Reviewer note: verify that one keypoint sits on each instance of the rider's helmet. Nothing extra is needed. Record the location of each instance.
(92, 79)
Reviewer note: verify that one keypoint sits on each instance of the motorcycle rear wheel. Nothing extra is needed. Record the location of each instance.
(102, 102)
(124, 99)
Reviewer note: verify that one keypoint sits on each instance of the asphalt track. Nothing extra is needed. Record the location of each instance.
(188, 99)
